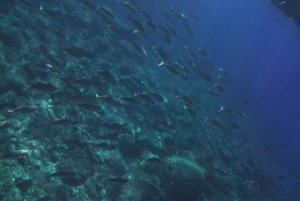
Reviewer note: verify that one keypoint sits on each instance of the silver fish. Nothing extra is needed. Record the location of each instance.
(13, 155)
(24, 109)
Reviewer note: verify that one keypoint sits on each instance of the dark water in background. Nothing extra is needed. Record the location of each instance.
(252, 40)
(266, 53)
(263, 56)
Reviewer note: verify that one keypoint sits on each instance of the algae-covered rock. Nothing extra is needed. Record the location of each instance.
(181, 170)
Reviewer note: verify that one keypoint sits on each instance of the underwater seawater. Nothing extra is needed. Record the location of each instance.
(148, 100)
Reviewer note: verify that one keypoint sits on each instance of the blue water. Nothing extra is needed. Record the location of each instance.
(153, 145)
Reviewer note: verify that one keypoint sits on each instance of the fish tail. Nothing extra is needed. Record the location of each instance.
(221, 109)
(93, 147)
(161, 63)
(26, 87)
(47, 178)
(60, 48)
(10, 111)
(143, 162)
